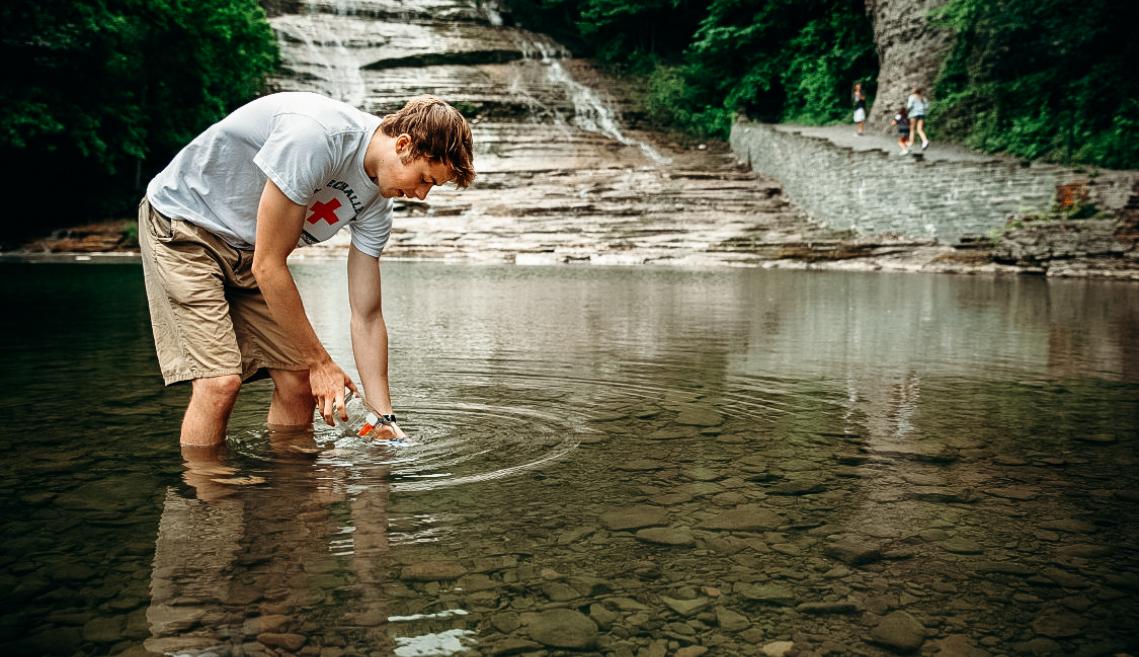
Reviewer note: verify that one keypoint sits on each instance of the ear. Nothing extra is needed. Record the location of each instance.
(403, 143)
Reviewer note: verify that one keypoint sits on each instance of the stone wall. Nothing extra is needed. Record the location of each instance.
(874, 193)
(910, 53)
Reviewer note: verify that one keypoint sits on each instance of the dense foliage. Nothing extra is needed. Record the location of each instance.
(99, 94)
(1051, 79)
(782, 60)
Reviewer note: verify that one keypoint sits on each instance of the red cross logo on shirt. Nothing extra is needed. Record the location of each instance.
(325, 211)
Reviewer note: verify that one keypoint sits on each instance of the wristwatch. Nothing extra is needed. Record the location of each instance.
(372, 421)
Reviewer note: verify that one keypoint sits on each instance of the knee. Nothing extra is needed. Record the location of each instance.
(218, 389)
(292, 385)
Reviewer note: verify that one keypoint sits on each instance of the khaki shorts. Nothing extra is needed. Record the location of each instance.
(208, 315)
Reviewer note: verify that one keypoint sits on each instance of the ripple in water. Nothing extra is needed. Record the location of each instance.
(461, 444)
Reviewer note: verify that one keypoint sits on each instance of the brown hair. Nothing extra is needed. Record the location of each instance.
(438, 132)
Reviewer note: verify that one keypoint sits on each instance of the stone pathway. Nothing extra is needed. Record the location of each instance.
(845, 136)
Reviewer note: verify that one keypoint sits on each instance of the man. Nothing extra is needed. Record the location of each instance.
(217, 225)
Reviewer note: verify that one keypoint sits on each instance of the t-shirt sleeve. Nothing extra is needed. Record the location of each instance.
(372, 228)
(297, 156)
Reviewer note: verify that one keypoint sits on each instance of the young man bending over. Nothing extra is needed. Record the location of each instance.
(217, 225)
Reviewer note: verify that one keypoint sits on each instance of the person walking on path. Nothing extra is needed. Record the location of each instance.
(917, 105)
(218, 223)
(859, 109)
(902, 120)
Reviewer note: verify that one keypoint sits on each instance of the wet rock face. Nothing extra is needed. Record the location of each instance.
(561, 177)
(910, 53)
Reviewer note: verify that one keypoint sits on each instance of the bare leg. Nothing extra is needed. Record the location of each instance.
(292, 404)
(861, 126)
(210, 405)
(921, 131)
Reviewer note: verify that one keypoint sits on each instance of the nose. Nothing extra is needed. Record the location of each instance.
(421, 191)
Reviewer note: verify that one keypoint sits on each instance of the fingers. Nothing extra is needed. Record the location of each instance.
(339, 403)
(351, 386)
(326, 406)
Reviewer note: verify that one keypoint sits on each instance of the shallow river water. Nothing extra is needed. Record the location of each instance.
(630, 462)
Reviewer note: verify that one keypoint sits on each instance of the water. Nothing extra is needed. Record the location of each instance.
(665, 458)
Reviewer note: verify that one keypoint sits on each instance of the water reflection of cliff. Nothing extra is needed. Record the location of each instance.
(752, 325)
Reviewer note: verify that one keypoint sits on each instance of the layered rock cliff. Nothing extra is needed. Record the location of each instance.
(911, 51)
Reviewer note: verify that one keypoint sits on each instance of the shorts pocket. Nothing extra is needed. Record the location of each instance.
(160, 226)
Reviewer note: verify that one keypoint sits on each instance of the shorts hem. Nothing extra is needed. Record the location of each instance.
(294, 367)
(179, 377)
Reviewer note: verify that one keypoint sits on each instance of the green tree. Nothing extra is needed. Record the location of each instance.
(789, 60)
(101, 93)
(780, 60)
(1050, 79)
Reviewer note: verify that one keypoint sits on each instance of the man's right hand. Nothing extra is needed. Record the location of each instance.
(328, 382)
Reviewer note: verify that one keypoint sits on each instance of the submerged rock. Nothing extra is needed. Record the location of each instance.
(1013, 492)
(685, 607)
(1058, 624)
(899, 632)
(1069, 525)
(957, 645)
(105, 629)
(958, 545)
(633, 517)
(267, 623)
(772, 594)
(925, 453)
(853, 551)
(563, 628)
(746, 517)
(731, 621)
(699, 417)
(291, 642)
(430, 571)
(511, 646)
(824, 608)
(666, 536)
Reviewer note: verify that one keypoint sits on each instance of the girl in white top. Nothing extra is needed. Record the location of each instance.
(916, 106)
(859, 108)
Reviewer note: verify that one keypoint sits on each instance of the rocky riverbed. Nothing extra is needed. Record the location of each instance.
(627, 462)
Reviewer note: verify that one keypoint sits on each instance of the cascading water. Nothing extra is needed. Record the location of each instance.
(593, 115)
(590, 112)
(328, 45)
(327, 57)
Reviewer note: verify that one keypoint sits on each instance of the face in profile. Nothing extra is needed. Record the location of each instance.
(406, 177)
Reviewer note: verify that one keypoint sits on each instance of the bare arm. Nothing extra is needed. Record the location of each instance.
(279, 225)
(369, 331)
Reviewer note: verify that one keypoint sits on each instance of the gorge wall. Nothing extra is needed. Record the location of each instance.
(911, 51)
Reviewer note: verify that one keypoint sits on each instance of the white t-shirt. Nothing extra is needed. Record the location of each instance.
(312, 147)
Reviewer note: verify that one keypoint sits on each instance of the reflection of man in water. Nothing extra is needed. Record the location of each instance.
(217, 225)
(234, 563)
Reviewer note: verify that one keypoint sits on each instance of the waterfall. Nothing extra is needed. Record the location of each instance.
(327, 44)
(590, 112)
(323, 37)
